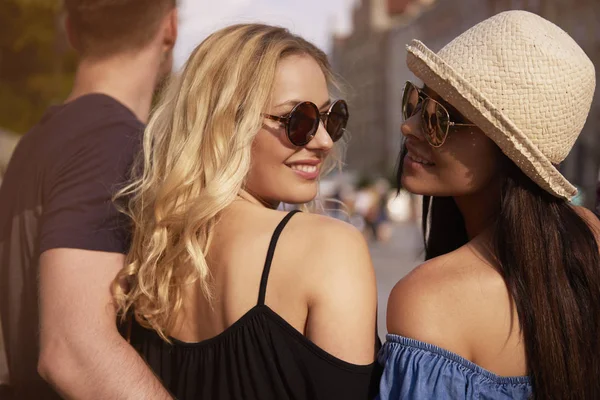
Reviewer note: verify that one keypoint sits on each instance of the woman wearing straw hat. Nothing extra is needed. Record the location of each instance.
(507, 303)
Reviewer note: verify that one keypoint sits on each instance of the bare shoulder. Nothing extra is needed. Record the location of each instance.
(334, 258)
(326, 223)
(333, 242)
(340, 286)
(418, 302)
(441, 300)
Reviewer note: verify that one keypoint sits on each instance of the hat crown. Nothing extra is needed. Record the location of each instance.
(532, 72)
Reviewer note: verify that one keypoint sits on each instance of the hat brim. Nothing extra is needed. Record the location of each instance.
(450, 85)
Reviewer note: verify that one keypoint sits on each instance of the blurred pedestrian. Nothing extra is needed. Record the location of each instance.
(383, 229)
(60, 235)
(249, 124)
(366, 205)
(371, 205)
(507, 304)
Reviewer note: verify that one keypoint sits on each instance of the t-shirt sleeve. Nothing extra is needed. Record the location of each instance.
(77, 207)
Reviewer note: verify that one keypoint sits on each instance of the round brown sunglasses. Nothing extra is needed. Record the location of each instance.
(435, 118)
(302, 123)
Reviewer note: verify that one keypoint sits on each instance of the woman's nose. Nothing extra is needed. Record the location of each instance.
(412, 127)
(321, 140)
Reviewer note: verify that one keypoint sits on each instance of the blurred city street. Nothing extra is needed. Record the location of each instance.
(392, 260)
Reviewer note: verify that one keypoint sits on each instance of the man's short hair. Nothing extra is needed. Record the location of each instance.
(107, 27)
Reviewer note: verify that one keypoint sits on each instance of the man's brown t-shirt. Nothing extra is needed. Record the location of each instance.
(56, 193)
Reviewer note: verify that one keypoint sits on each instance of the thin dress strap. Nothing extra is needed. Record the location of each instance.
(270, 253)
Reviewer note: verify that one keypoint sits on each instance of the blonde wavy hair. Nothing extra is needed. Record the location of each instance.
(196, 155)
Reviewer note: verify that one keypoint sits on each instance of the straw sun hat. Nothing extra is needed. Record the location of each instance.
(523, 81)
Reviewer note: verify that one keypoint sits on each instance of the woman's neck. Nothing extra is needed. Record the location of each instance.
(253, 198)
(479, 209)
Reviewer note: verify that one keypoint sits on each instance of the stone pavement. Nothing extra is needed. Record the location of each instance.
(392, 260)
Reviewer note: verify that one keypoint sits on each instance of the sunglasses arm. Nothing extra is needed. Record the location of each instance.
(276, 118)
(457, 124)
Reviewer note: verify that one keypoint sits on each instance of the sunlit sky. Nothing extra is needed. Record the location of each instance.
(315, 20)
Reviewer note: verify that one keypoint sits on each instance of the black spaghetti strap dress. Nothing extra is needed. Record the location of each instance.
(259, 357)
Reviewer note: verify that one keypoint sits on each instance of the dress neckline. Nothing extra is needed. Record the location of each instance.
(417, 344)
(279, 320)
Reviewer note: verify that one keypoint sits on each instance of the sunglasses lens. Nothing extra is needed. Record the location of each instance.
(337, 120)
(410, 100)
(435, 120)
(304, 121)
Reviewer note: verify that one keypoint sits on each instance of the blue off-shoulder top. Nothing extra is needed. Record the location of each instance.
(418, 370)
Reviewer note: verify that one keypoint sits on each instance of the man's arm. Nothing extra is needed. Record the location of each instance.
(82, 354)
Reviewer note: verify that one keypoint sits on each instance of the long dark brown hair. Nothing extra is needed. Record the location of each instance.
(549, 259)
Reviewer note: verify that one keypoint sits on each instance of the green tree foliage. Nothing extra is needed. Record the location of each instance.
(36, 64)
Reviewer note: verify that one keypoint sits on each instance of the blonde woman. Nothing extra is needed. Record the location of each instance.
(232, 298)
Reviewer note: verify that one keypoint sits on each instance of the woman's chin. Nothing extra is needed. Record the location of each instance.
(300, 197)
(413, 185)
(417, 186)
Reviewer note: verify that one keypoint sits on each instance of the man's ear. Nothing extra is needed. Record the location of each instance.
(71, 34)
(171, 30)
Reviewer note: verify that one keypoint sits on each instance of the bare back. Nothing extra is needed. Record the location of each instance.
(299, 285)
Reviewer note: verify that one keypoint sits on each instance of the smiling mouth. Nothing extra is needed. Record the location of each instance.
(309, 169)
(418, 159)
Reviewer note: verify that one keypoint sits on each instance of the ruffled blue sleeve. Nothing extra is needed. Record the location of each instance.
(417, 370)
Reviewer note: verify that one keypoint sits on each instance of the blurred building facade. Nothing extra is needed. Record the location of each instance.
(372, 61)
(362, 61)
